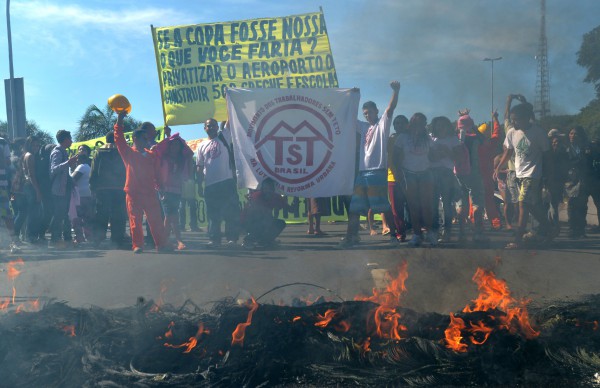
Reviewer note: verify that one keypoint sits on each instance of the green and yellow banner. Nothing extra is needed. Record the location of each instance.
(197, 63)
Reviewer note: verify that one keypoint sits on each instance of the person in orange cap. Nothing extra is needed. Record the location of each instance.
(141, 182)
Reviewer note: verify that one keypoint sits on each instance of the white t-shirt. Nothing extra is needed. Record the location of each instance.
(528, 147)
(373, 156)
(447, 142)
(83, 183)
(416, 159)
(214, 157)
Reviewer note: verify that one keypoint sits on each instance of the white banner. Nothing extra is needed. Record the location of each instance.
(304, 139)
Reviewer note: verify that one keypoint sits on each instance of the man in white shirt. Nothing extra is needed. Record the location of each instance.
(529, 143)
(214, 168)
(370, 186)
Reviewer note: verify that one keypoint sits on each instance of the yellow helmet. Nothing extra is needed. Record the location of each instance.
(118, 103)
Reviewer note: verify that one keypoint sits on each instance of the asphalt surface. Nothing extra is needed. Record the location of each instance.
(302, 266)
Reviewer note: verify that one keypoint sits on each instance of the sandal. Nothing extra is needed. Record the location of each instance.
(385, 232)
(319, 233)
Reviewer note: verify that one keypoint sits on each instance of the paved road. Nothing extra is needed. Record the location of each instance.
(439, 278)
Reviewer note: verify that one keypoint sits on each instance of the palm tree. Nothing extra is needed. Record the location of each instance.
(97, 123)
(31, 129)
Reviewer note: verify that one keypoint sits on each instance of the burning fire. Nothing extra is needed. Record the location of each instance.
(240, 331)
(13, 272)
(386, 317)
(159, 302)
(324, 320)
(69, 330)
(192, 341)
(494, 294)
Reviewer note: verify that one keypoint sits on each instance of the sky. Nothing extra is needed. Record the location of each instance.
(72, 53)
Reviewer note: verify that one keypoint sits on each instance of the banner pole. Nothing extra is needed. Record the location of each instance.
(329, 43)
(156, 55)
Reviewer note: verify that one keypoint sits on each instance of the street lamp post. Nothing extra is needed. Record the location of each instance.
(492, 60)
(11, 131)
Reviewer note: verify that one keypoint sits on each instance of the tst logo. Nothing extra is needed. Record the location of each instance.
(294, 142)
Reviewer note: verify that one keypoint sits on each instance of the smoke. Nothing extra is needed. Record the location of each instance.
(436, 50)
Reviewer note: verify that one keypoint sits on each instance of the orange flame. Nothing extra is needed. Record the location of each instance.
(240, 331)
(385, 316)
(169, 332)
(326, 319)
(159, 302)
(453, 334)
(192, 341)
(69, 330)
(11, 269)
(480, 328)
(366, 346)
(494, 294)
(12, 273)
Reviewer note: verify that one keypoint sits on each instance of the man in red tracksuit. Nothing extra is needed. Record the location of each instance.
(141, 184)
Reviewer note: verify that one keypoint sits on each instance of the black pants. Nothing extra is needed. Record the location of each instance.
(264, 231)
(110, 206)
(193, 213)
(60, 217)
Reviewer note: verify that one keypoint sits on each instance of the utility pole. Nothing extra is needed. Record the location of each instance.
(11, 88)
(492, 60)
(542, 82)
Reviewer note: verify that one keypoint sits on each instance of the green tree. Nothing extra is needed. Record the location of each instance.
(97, 123)
(589, 118)
(31, 129)
(588, 57)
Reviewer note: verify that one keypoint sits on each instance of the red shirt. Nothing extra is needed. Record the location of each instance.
(142, 169)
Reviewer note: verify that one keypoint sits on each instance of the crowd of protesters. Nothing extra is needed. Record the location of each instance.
(436, 181)
(446, 174)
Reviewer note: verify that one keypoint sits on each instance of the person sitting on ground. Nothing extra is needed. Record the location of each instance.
(141, 182)
(258, 221)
